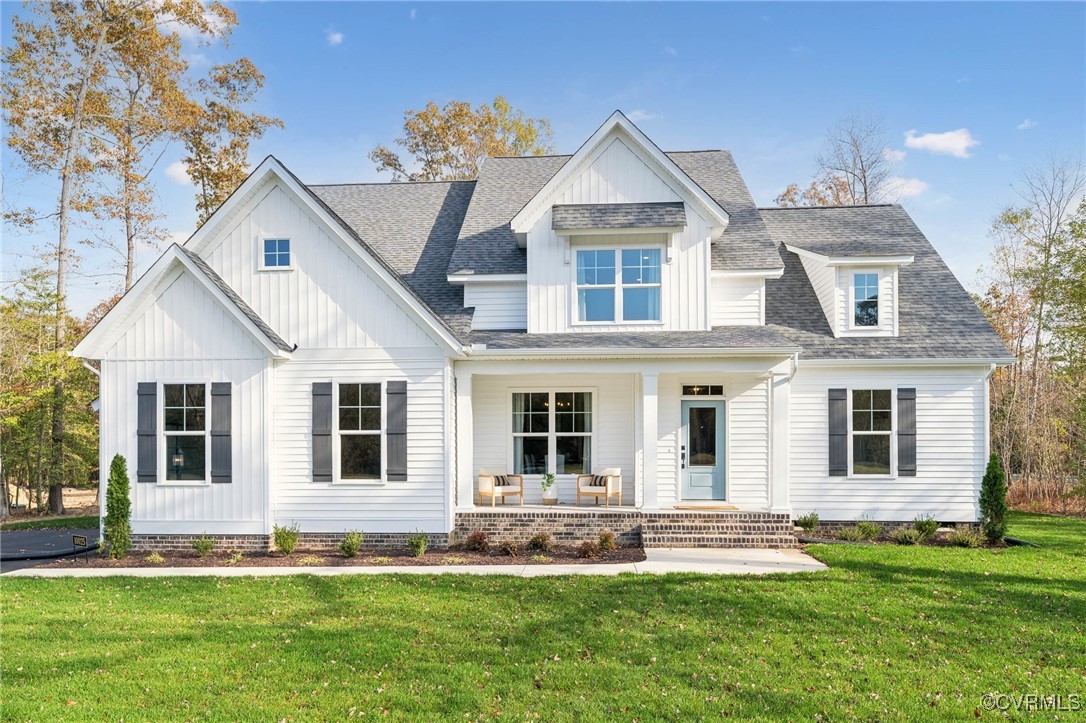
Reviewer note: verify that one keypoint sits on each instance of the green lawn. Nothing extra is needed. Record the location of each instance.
(888, 633)
(52, 523)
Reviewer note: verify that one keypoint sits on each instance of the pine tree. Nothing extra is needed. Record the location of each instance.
(118, 527)
(993, 500)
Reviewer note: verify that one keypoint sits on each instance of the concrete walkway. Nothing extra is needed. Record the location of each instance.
(659, 562)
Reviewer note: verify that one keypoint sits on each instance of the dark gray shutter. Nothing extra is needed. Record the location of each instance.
(221, 456)
(838, 422)
(906, 432)
(396, 431)
(146, 432)
(322, 431)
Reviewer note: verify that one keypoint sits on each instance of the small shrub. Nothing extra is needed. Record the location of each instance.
(868, 530)
(993, 500)
(851, 534)
(286, 537)
(203, 545)
(382, 560)
(155, 559)
(907, 536)
(477, 541)
(351, 543)
(608, 541)
(235, 558)
(926, 525)
(964, 537)
(117, 524)
(808, 522)
(310, 560)
(542, 542)
(539, 559)
(456, 560)
(417, 542)
(510, 549)
(589, 550)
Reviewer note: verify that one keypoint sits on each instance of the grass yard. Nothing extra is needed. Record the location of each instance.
(899, 633)
(52, 523)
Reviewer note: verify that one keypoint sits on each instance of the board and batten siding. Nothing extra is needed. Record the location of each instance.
(186, 336)
(613, 422)
(738, 301)
(618, 175)
(419, 503)
(498, 305)
(746, 438)
(327, 300)
(951, 446)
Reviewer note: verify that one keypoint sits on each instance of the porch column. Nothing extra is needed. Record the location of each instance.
(465, 429)
(650, 440)
(780, 391)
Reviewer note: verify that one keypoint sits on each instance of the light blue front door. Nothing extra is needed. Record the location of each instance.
(702, 451)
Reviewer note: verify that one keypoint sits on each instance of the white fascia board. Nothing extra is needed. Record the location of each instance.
(535, 208)
(142, 294)
(271, 166)
(612, 231)
(905, 363)
(749, 273)
(880, 260)
(481, 352)
(461, 279)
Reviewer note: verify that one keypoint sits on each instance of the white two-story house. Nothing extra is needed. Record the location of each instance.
(380, 356)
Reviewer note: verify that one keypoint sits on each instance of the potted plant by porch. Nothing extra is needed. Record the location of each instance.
(550, 490)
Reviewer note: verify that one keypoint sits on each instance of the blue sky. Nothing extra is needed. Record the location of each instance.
(970, 92)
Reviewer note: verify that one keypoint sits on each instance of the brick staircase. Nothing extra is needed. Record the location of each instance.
(717, 529)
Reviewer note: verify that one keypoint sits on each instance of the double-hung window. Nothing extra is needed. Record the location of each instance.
(359, 424)
(865, 289)
(276, 254)
(618, 285)
(552, 426)
(184, 425)
(872, 431)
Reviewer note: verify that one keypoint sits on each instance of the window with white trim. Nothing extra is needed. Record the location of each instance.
(618, 285)
(872, 427)
(552, 426)
(359, 424)
(276, 254)
(865, 307)
(184, 428)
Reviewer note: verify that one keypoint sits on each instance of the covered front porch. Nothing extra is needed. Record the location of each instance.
(691, 434)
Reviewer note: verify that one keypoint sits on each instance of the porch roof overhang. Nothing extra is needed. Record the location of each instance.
(720, 341)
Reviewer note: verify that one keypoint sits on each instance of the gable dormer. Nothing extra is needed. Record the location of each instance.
(857, 287)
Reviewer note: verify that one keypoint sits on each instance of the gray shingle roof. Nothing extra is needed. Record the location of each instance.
(720, 337)
(937, 318)
(569, 217)
(487, 244)
(237, 300)
(843, 247)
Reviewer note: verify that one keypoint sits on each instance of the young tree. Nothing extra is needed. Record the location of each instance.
(217, 140)
(451, 143)
(993, 500)
(117, 525)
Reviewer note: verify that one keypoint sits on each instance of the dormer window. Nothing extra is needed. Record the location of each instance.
(865, 299)
(618, 285)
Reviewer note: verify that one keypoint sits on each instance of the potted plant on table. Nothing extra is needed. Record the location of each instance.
(550, 490)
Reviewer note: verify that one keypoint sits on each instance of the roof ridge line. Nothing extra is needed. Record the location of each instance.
(831, 206)
(389, 183)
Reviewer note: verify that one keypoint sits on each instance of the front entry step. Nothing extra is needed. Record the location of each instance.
(719, 529)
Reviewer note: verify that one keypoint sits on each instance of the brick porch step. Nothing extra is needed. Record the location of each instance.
(717, 529)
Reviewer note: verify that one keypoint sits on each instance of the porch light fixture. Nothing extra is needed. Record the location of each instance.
(177, 460)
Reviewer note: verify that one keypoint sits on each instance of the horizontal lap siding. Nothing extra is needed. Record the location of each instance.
(950, 447)
(418, 503)
(498, 305)
(824, 282)
(614, 425)
(737, 301)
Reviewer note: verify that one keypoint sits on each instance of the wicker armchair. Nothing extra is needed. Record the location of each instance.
(489, 487)
(605, 483)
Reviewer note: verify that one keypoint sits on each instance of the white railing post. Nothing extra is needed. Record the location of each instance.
(650, 440)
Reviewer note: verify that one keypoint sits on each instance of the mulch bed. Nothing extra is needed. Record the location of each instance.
(375, 558)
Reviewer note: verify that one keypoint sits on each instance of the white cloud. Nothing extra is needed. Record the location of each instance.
(668, 50)
(170, 24)
(902, 188)
(893, 155)
(1003, 157)
(640, 115)
(334, 37)
(414, 13)
(176, 172)
(951, 143)
(1026, 124)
